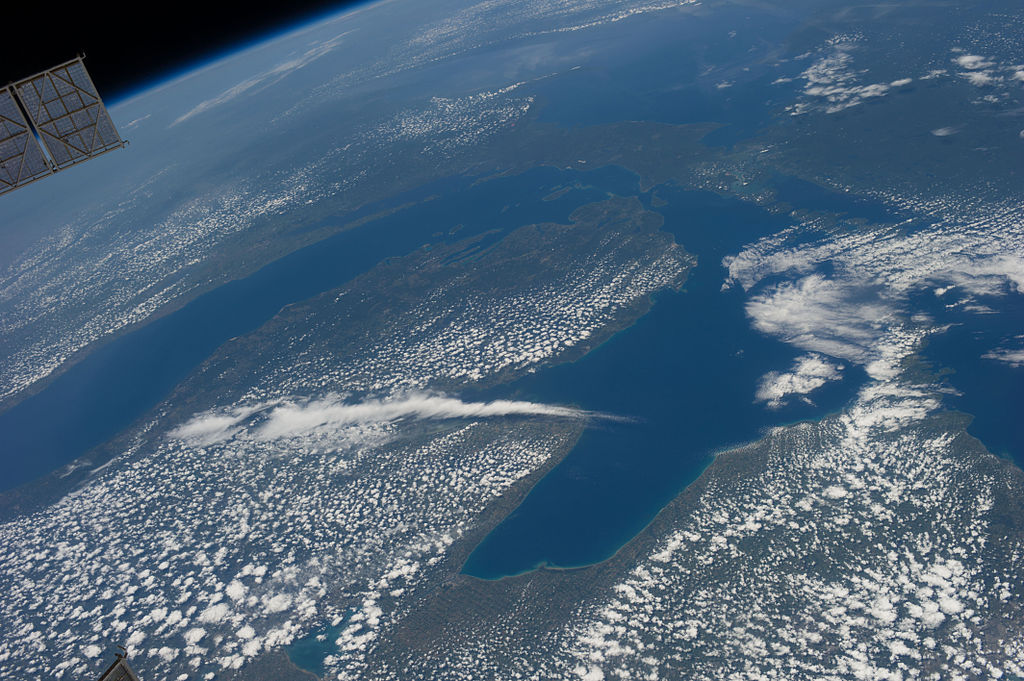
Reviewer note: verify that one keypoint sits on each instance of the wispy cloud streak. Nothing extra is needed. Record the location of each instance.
(294, 418)
(266, 78)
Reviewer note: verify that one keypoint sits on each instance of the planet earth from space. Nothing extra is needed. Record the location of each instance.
(652, 339)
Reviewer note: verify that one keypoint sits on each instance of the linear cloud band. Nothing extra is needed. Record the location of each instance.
(292, 418)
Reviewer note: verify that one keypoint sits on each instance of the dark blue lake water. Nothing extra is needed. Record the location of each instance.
(118, 383)
(991, 391)
(687, 370)
(678, 69)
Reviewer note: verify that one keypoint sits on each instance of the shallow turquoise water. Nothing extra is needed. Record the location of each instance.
(310, 652)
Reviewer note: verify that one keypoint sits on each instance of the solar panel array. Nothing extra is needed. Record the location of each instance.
(59, 108)
(66, 110)
(21, 158)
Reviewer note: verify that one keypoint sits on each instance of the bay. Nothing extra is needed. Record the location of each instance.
(686, 372)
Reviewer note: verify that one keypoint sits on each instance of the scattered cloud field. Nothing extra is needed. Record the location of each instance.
(235, 530)
(866, 547)
(874, 544)
(835, 81)
(324, 479)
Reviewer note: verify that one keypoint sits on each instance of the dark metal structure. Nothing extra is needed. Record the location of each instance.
(119, 671)
(52, 121)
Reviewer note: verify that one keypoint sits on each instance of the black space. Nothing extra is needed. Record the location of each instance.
(129, 45)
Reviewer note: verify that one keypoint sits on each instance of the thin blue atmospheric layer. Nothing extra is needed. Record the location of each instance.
(238, 48)
(121, 381)
(687, 372)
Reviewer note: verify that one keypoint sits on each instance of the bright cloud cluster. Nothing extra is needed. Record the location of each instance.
(832, 84)
(851, 311)
(986, 72)
(809, 373)
(1012, 355)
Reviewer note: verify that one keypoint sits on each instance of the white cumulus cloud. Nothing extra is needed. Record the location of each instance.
(828, 316)
(973, 61)
(215, 613)
(1014, 356)
(809, 373)
(848, 294)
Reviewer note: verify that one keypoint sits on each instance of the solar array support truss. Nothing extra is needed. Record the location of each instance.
(119, 671)
(61, 108)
